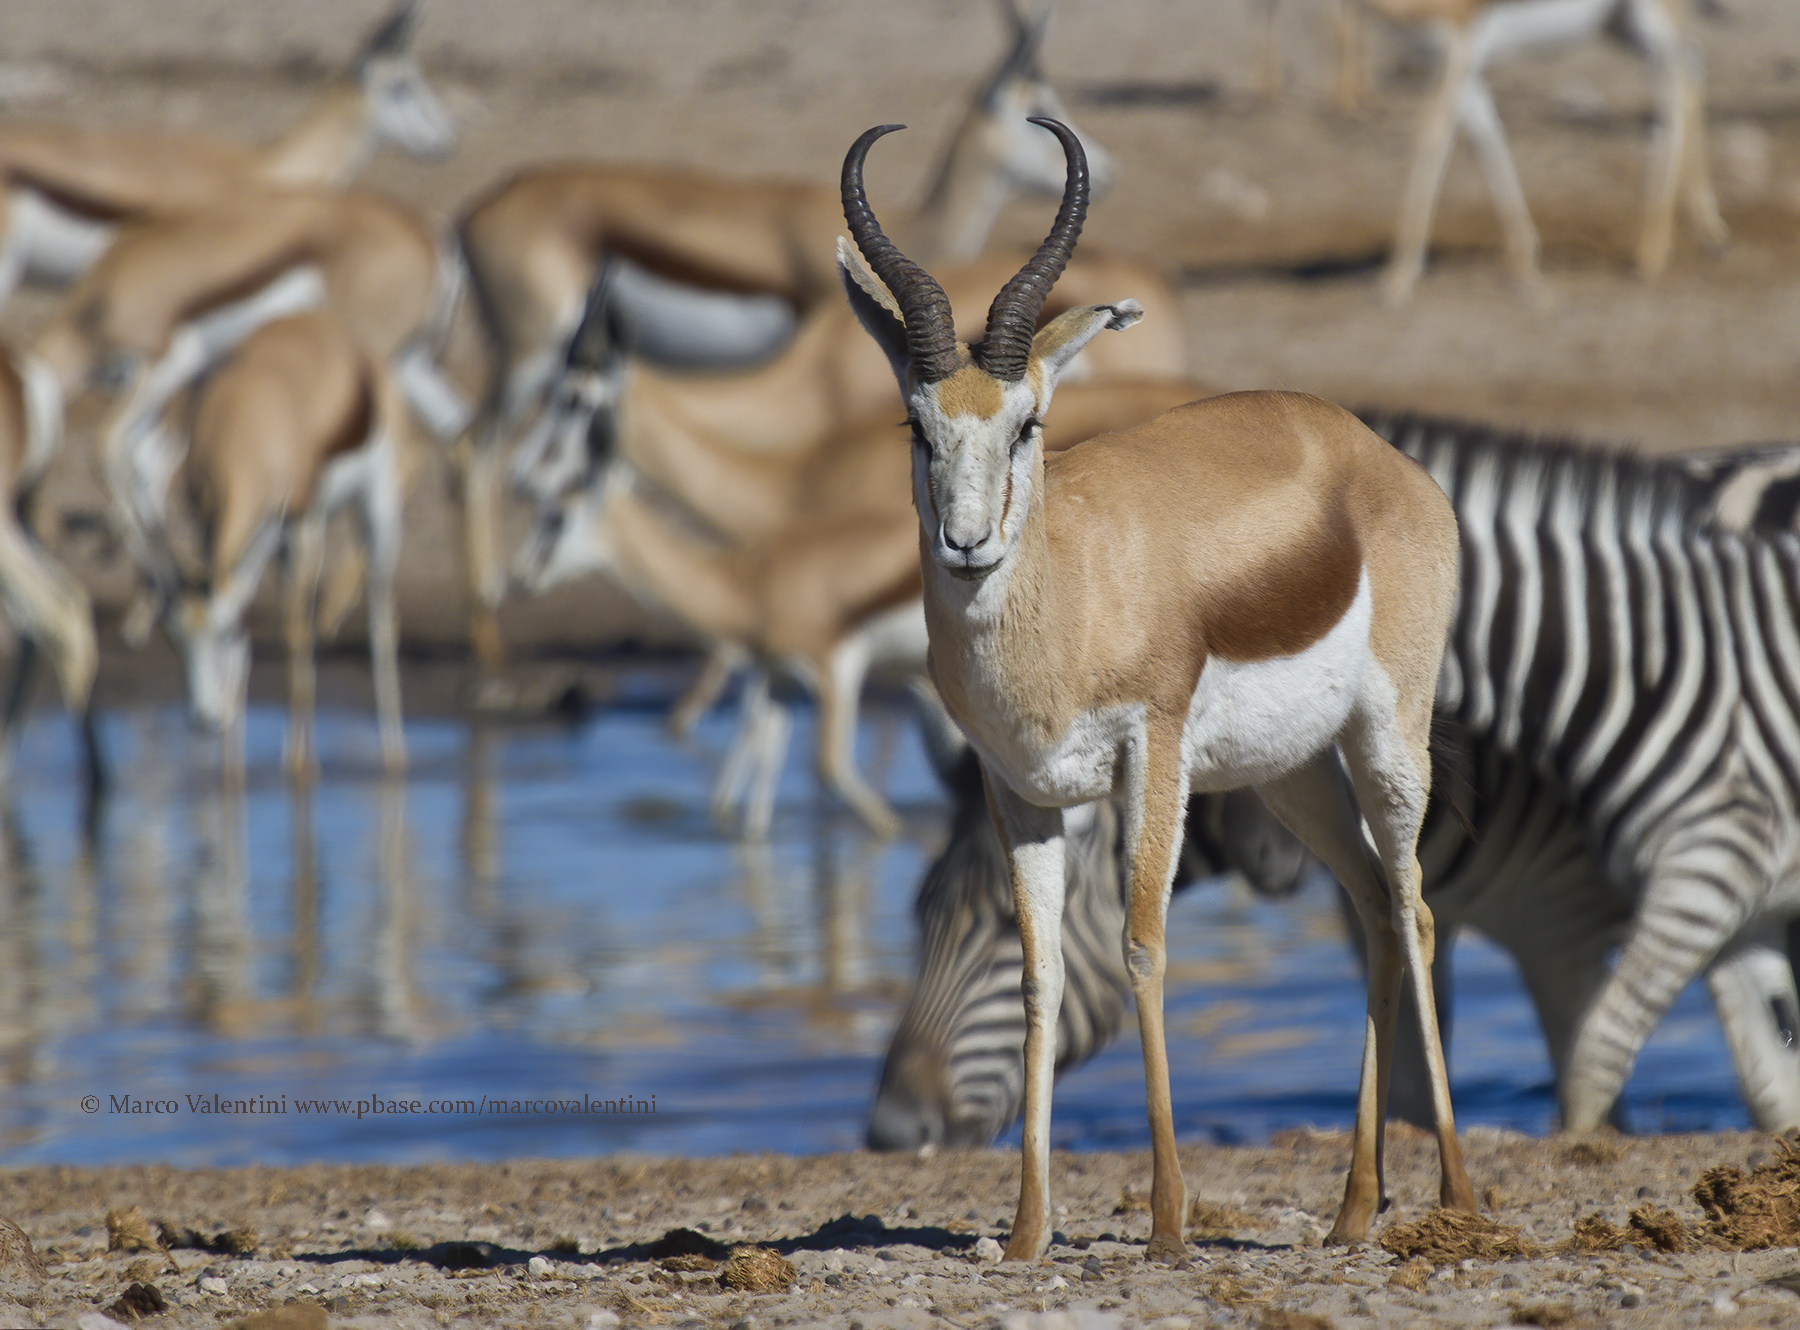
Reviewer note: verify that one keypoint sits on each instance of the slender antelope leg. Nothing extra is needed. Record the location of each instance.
(1698, 197)
(1390, 768)
(305, 558)
(840, 699)
(734, 771)
(1351, 85)
(1033, 838)
(1157, 800)
(1425, 176)
(382, 516)
(481, 549)
(770, 755)
(1752, 987)
(1314, 803)
(1662, 43)
(722, 662)
(1482, 121)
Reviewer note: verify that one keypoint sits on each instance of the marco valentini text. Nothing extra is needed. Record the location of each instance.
(280, 1105)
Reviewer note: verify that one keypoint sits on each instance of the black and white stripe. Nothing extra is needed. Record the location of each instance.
(1619, 641)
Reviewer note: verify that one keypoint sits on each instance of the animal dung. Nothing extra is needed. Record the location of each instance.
(1210, 1221)
(1662, 1230)
(1412, 1276)
(1445, 1237)
(687, 1262)
(758, 1270)
(1751, 1211)
(139, 1300)
(128, 1230)
(16, 1254)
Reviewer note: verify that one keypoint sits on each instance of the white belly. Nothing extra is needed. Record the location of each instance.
(1251, 722)
(50, 243)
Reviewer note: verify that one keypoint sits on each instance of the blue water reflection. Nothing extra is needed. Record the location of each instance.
(545, 912)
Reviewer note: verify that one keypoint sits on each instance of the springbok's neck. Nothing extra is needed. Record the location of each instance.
(329, 146)
(954, 222)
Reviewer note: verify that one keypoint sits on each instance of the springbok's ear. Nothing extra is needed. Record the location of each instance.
(875, 307)
(1062, 339)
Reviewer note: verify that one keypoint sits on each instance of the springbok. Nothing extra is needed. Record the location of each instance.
(805, 579)
(175, 294)
(68, 188)
(297, 424)
(1228, 595)
(1474, 32)
(48, 607)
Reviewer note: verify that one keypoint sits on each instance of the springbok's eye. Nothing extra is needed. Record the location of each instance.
(1026, 431)
(918, 435)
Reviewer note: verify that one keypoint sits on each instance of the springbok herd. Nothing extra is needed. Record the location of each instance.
(1141, 595)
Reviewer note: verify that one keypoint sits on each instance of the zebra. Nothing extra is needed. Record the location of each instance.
(1553, 873)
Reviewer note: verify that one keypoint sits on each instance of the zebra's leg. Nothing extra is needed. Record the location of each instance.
(1692, 903)
(1753, 992)
(1033, 839)
(1314, 803)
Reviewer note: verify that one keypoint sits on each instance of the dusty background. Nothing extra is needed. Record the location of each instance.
(1274, 212)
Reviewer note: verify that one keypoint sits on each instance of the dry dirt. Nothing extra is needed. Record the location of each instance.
(880, 1241)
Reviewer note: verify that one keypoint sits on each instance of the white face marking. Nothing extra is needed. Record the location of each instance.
(1251, 722)
(972, 478)
(404, 111)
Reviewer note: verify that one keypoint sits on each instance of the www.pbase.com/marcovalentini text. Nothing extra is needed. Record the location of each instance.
(375, 1106)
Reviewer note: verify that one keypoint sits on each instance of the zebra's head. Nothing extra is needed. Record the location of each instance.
(954, 1074)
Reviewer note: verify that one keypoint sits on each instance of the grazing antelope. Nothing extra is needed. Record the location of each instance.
(1226, 596)
(1475, 32)
(68, 188)
(48, 607)
(297, 424)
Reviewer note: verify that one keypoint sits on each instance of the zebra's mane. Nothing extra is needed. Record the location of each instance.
(1679, 489)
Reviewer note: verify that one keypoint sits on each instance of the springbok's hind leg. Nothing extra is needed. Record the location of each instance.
(305, 561)
(1389, 762)
(1314, 803)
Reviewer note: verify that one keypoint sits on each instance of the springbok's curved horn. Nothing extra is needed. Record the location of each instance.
(395, 32)
(930, 327)
(1012, 318)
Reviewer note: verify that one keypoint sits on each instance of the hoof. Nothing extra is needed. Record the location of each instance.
(1166, 1249)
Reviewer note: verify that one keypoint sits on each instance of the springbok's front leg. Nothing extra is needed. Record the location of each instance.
(1157, 805)
(383, 505)
(1033, 838)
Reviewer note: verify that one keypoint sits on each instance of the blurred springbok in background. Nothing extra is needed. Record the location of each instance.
(65, 190)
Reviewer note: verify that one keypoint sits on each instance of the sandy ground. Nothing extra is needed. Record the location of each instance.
(1272, 212)
(880, 1241)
